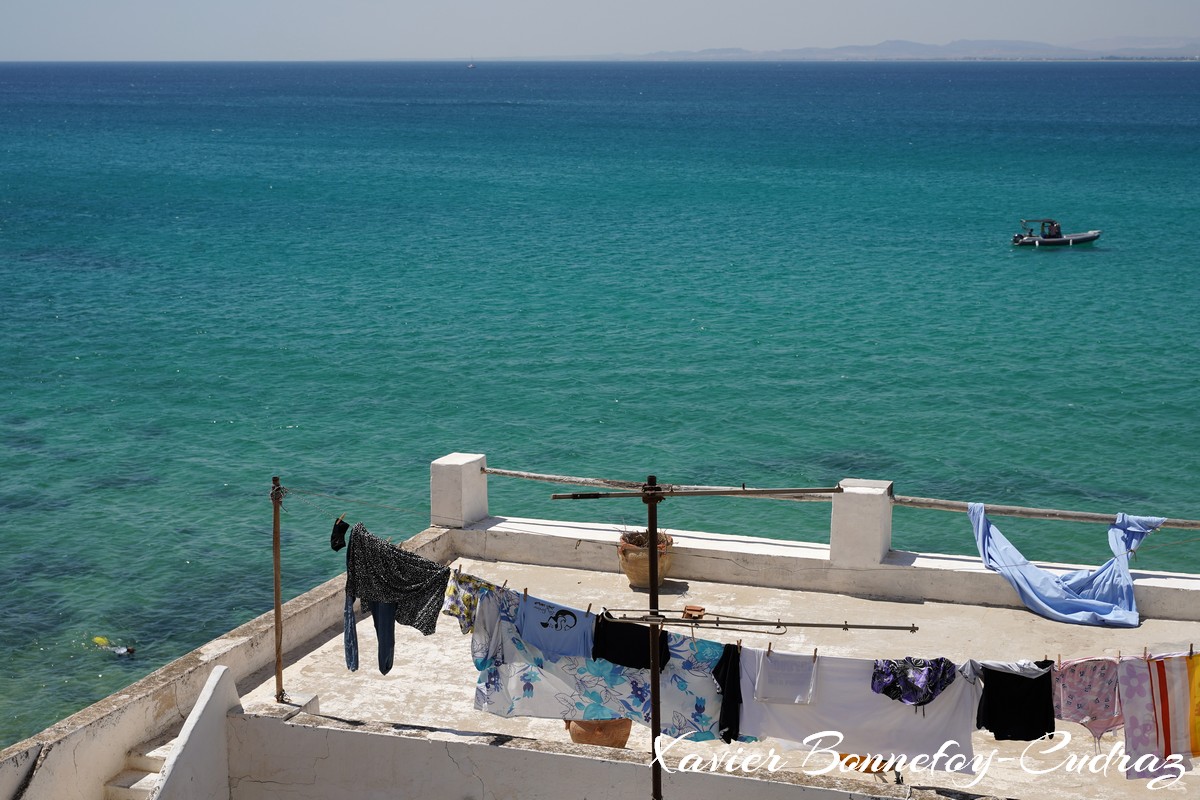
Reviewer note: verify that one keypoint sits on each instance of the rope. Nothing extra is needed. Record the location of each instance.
(311, 503)
(667, 488)
(533, 476)
(900, 500)
(367, 503)
(1032, 513)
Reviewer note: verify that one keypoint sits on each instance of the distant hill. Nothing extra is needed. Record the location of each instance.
(962, 50)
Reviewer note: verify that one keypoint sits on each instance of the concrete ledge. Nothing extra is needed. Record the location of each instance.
(311, 757)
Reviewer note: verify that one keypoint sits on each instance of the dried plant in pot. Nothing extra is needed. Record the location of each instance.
(633, 553)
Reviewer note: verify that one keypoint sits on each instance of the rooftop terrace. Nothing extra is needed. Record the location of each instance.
(414, 732)
(432, 684)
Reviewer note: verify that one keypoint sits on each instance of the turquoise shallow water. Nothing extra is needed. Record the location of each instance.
(781, 275)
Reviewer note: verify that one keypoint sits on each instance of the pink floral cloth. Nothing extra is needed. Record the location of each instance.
(1085, 691)
(1141, 722)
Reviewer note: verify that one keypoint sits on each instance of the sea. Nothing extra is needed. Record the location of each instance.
(760, 274)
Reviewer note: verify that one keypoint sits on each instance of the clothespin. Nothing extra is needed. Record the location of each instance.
(769, 648)
(1146, 653)
(458, 570)
(589, 608)
(526, 592)
(1060, 660)
(505, 584)
(739, 646)
(1191, 649)
(342, 517)
(814, 655)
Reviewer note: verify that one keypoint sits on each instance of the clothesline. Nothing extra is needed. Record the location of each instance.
(1031, 513)
(303, 494)
(667, 488)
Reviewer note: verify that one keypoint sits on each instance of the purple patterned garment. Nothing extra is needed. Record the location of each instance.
(912, 681)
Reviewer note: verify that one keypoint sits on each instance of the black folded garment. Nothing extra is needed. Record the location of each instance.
(627, 643)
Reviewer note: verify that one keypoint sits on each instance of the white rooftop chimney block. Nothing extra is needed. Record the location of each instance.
(458, 490)
(860, 532)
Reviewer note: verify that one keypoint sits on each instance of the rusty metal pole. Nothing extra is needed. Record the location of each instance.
(277, 503)
(652, 496)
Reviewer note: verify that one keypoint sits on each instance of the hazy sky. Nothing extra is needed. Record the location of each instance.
(479, 29)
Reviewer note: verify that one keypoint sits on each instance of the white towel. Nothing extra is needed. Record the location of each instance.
(785, 677)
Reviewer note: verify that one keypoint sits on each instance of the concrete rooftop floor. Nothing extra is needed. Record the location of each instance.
(432, 682)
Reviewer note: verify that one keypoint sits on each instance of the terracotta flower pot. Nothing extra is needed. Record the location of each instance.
(635, 563)
(606, 732)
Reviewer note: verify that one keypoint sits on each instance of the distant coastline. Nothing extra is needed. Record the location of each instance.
(759, 58)
(1120, 49)
(881, 53)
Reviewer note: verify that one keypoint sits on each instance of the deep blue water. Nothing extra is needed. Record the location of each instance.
(771, 274)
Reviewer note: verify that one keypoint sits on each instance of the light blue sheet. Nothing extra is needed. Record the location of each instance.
(1103, 596)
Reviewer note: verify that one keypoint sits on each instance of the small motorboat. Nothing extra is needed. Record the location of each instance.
(1050, 235)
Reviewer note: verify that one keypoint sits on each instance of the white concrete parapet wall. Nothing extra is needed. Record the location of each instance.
(457, 490)
(320, 758)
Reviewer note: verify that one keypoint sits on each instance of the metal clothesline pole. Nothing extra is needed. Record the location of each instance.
(276, 503)
(652, 496)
